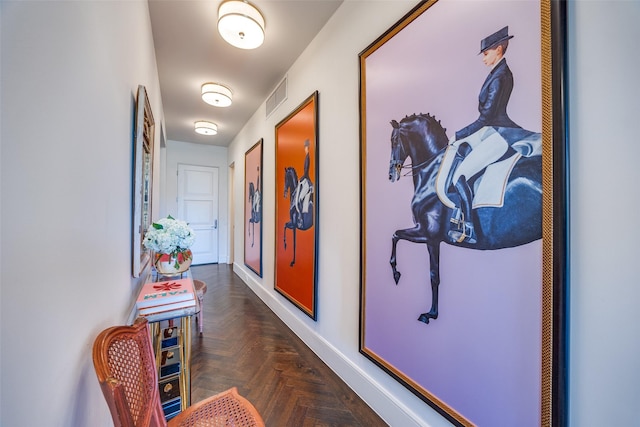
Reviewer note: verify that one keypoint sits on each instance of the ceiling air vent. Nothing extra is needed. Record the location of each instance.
(277, 97)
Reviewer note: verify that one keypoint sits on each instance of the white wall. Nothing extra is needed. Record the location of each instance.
(604, 102)
(70, 72)
(604, 59)
(186, 153)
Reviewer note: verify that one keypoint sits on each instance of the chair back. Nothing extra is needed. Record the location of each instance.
(124, 362)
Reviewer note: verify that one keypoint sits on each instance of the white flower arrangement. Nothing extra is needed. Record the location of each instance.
(169, 236)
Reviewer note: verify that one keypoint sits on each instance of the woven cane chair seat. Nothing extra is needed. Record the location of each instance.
(124, 362)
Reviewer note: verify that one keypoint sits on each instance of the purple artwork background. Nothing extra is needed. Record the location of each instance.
(482, 356)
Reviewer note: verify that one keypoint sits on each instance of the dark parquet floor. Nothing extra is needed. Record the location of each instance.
(244, 344)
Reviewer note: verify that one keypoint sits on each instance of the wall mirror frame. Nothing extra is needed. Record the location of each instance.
(144, 132)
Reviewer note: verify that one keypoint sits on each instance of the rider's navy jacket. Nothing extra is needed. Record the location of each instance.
(492, 101)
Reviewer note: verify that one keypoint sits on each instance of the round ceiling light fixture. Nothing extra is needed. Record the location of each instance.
(240, 24)
(216, 94)
(206, 128)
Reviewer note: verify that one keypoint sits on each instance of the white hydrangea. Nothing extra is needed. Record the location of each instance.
(169, 236)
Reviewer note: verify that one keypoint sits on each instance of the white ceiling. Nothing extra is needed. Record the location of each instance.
(190, 52)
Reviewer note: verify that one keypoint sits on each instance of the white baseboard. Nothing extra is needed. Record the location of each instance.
(387, 406)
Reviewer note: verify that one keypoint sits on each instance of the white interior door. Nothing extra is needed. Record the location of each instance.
(198, 206)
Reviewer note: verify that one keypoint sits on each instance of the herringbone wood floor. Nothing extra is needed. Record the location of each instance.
(245, 345)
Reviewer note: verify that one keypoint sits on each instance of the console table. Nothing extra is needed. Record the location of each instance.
(171, 338)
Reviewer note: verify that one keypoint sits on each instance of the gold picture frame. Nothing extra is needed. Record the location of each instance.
(493, 351)
(297, 199)
(253, 207)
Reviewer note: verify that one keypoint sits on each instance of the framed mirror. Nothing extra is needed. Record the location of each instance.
(142, 180)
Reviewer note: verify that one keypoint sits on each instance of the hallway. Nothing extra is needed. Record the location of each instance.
(245, 344)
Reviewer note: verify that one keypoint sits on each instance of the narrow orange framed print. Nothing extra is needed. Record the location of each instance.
(296, 144)
(253, 208)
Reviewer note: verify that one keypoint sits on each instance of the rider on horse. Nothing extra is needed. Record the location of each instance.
(256, 201)
(304, 190)
(474, 150)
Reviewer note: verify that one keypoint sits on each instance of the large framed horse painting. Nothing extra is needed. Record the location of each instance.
(253, 208)
(463, 202)
(297, 206)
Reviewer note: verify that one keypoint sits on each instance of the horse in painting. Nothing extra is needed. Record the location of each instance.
(300, 205)
(256, 215)
(422, 139)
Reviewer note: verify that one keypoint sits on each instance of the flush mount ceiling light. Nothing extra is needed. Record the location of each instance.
(240, 24)
(217, 95)
(206, 128)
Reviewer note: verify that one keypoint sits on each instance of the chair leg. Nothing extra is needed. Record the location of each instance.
(201, 299)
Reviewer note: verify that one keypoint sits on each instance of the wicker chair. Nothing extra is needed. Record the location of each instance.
(125, 365)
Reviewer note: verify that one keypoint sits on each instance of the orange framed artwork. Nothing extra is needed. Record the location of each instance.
(296, 144)
(253, 208)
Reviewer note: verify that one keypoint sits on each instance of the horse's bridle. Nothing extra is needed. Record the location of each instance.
(399, 166)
